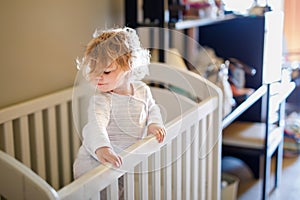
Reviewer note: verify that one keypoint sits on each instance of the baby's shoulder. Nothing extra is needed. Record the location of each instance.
(140, 85)
(101, 97)
(142, 90)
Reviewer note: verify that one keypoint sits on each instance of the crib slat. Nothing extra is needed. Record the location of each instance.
(154, 168)
(76, 143)
(53, 147)
(40, 144)
(202, 159)
(96, 196)
(216, 153)
(177, 165)
(163, 171)
(209, 159)
(186, 177)
(195, 161)
(129, 185)
(9, 146)
(168, 172)
(144, 179)
(65, 141)
(166, 169)
(75, 125)
(113, 191)
(25, 141)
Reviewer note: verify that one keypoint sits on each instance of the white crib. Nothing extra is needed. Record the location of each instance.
(38, 145)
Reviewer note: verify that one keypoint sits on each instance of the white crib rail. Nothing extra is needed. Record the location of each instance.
(40, 134)
(185, 166)
(169, 166)
(21, 182)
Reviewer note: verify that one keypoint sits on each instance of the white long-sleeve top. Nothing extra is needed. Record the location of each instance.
(116, 121)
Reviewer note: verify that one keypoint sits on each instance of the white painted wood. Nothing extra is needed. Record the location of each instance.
(209, 159)
(186, 80)
(53, 147)
(39, 144)
(76, 141)
(19, 182)
(177, 159)
(9, 145)
(129, 185)
(143, 176)
(168, 171)
(137, 182)
(202, 159)
(155, 176)
(32, 106)
(65, 141)
(186, 177)
(194, 161)
(163, 172)
(96, 196)
(177, 168)
(217, 152)
(113, 191)
(25, 141)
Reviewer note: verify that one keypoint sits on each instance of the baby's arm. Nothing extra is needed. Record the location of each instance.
(95, 137)
(158, 131)
(155, 121)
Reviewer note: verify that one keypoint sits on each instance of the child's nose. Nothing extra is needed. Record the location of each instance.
(100, 77)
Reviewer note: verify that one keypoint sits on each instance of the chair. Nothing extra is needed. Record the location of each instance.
(255, 143)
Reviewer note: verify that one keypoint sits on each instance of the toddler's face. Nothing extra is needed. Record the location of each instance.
(112, 78)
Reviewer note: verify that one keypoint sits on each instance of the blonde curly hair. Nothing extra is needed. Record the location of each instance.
(121, 45)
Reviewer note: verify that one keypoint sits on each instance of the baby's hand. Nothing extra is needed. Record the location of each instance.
(158, 131)
(106, 154)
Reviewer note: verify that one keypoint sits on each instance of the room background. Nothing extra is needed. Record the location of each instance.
(40, 41)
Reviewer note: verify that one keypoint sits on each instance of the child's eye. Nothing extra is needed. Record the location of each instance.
(106, 72)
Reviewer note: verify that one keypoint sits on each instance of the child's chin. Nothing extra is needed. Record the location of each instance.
(102, 89)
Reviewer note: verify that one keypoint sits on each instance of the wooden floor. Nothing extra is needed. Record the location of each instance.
(250, 188)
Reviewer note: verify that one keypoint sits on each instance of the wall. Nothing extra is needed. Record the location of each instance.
(41, 39)
(292, 29)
